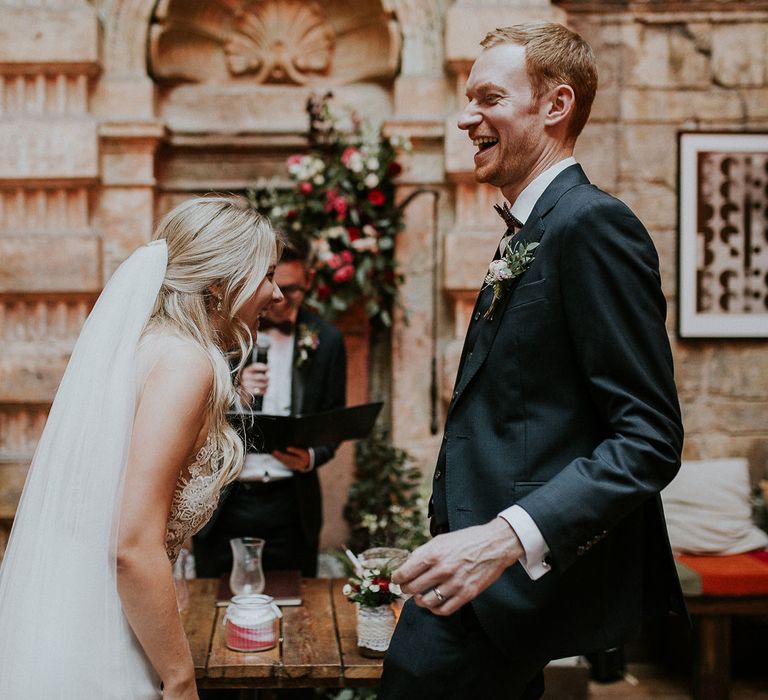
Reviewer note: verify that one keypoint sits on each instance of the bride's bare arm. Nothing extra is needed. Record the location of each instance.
(169, 419)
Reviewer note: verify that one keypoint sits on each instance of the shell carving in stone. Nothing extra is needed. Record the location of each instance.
(273, 43)
(280, 41)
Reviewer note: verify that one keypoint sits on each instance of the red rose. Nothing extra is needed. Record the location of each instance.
(343, 274)
(323, 292)
(353, 232)
(305, 187)
(346, 256)
(376, 197)
(291, 214)
(334, 262)
(394, 169)
(340, 205)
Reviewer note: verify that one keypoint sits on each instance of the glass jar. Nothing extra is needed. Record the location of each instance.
(253, 623)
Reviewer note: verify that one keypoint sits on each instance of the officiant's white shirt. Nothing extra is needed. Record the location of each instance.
(276, 402)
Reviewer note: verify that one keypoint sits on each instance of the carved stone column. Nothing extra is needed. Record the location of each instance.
(51, 255)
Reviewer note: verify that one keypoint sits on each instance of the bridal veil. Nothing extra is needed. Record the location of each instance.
(62, 630)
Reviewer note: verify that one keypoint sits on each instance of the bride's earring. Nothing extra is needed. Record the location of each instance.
(218, 304)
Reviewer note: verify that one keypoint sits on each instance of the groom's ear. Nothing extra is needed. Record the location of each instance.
(561, 103)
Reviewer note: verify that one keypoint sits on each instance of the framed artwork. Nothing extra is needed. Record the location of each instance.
(723, 235)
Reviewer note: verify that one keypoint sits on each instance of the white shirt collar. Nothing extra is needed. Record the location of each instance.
(527, 199)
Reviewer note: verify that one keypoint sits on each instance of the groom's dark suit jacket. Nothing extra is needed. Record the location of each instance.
(565, 403)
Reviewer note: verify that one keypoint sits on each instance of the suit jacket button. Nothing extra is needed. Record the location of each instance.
(477, 315)
(580, 550)
(455, 394)
(438, 474)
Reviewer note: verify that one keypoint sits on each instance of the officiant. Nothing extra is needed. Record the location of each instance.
(277, 496)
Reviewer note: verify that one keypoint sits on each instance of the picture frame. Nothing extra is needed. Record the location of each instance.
(722, 235)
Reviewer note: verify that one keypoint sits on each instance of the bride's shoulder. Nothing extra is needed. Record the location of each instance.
(168, 353)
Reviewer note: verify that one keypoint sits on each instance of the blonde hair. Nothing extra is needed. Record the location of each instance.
(554, 55)
(222, 241)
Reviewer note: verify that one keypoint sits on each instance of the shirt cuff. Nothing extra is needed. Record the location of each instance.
(536, 549)
(311, 459)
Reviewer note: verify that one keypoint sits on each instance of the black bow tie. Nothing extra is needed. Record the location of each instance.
(284, 327)
(512, 222)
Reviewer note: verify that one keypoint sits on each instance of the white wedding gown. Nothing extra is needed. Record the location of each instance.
(63, 634)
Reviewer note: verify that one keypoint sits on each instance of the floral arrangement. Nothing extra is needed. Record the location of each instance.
(342, 196)
(384, 507)
(373, 587)
(307, 341)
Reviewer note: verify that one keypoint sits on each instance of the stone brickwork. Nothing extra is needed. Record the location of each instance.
(662, 72)
(107, 118)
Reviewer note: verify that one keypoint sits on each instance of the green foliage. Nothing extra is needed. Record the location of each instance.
(384, 507)
(342, 197)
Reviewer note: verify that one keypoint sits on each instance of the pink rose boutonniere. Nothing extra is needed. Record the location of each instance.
(509, 266)
(307, 342)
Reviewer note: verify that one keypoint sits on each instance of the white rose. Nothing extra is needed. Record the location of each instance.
(395, 589)
(373, 164)
(347, 589)
(371, 180)
(375, 588)
(318, 179)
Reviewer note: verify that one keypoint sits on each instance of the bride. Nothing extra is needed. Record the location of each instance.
(131, 462)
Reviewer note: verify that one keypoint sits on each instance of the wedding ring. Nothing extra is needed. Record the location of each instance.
(438, 595)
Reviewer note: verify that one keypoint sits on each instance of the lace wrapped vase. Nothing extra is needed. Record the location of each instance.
(375, 626)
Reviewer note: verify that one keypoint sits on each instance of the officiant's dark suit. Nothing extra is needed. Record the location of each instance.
(564, 404)
(286, 512)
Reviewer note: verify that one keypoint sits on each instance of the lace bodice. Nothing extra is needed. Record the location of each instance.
(195, 498)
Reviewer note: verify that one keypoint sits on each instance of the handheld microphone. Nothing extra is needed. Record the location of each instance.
(260, 354)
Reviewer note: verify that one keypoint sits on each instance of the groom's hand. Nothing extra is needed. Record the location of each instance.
(460, 565)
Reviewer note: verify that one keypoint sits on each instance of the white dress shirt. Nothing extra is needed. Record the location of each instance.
(536, 549)
(277, 402)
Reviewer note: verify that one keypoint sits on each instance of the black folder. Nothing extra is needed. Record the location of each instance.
(262, 432)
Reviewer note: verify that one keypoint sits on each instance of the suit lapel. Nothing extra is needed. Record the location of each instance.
(299, 374)
(532, 232)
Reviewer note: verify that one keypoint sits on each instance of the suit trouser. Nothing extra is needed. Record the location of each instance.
(451, 658)
(269, 510)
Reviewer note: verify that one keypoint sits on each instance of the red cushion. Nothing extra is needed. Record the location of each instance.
(734, 574)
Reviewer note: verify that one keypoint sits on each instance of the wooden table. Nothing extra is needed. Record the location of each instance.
(318, 647)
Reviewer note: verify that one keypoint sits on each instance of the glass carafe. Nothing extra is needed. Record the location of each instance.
(247, 575)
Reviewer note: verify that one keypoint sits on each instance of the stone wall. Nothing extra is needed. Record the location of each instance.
(107, 117)
(701, 67)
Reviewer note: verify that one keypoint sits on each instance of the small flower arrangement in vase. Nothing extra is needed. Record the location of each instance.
(373, 592)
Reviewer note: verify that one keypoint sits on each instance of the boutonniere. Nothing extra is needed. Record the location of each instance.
(307, 342)
(509, 266)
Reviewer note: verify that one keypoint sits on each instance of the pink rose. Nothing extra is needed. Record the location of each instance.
(346, 256)
(343, 274)
(334, 262)
(349, 153)
(295, 159)
(305, 187)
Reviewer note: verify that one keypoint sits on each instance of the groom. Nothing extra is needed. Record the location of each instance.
(564, 424)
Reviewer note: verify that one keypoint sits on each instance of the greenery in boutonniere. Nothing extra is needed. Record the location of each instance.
(509, 266)
(307, 342)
